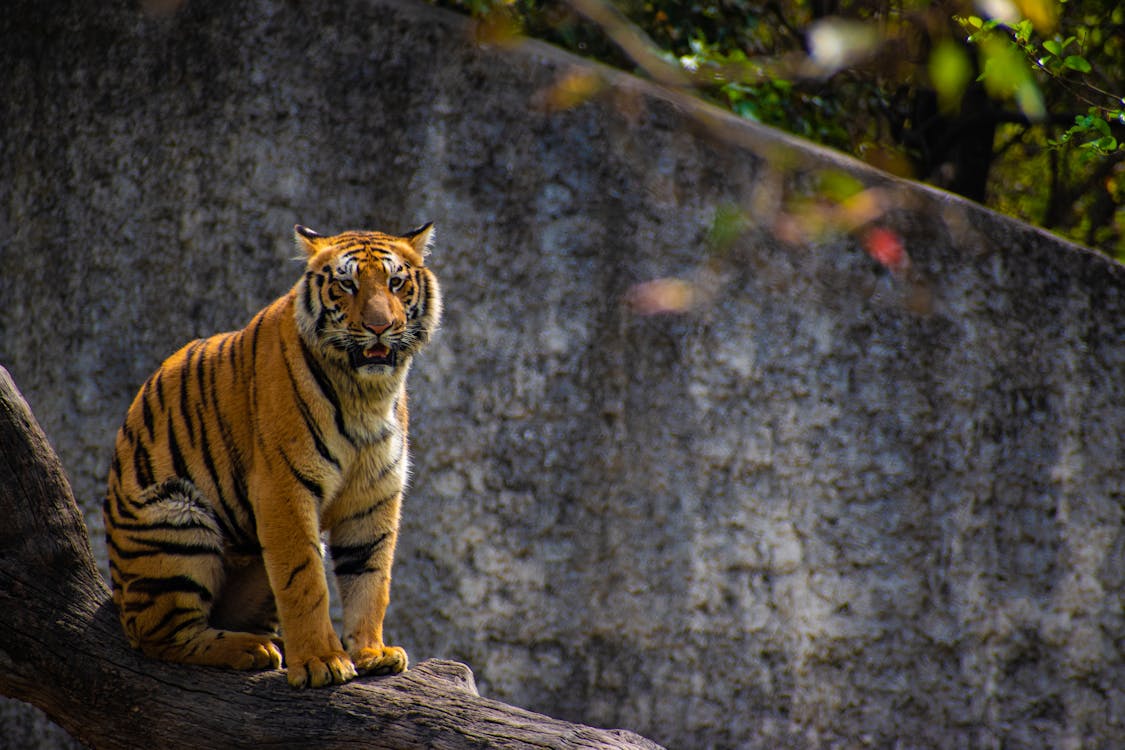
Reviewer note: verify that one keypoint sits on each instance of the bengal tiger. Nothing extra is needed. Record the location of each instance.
(244, 447)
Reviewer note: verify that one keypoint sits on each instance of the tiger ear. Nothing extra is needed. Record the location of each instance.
(307, 239)
(421, 238)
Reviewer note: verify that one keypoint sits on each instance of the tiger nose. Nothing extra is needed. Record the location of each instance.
(377, 328)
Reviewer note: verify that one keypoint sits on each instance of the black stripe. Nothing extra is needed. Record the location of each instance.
(296, 570)
(386, 433)
(326, 389)
(159, 379)
(137, 607)
(170, 585)
(391, 465)
(161, 525)
(146, 409)
(370, 509)
(248, 539)
(199, 622)
(310, 423)
(250, 381)
(309, 483)
(421, 286)
(225, 518)
(306, 297)
(232, 356)
(201, 369)
(164, 547)
(139, 554)
(196, 645)
(257, 323)
(179, 465)
(168, 488)
(355, 252)
(185, 379)
(230, 445)
(116, 502)
(142, 465)
(111, 545)
(113, 508)
(205, 450)
(351, 560)
(321, 309)
(242, 516)
(172, 614)
(320, 600)
(157, 547)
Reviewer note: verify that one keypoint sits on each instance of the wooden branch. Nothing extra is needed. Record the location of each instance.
(62, 650)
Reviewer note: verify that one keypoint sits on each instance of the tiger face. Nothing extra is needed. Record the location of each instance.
(367, 300)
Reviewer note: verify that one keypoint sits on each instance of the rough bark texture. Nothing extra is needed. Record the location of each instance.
(61, 649)
(830, 505)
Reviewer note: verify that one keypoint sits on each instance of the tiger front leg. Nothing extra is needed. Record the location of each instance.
(291, 550)
(363, 555)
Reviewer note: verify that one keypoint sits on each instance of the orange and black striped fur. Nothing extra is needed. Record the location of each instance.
(243, 448)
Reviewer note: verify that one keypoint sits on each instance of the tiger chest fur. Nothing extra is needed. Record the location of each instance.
(242, 449)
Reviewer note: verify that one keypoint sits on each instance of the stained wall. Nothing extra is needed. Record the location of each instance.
(831, 503)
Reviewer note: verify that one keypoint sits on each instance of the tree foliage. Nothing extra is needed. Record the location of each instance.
(1013, 103)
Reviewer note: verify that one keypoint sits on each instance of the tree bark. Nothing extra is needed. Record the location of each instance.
(62, 650)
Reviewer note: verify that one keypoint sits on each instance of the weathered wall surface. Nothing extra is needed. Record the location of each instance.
(828, 507)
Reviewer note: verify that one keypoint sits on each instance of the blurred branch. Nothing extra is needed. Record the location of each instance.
(632, 41)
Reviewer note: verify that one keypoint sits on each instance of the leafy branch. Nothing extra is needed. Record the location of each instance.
(1012, 52)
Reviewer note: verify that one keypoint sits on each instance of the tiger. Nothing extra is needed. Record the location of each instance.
(243, 448)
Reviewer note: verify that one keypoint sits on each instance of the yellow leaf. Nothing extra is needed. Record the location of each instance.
(1043, 14)
(574, 88)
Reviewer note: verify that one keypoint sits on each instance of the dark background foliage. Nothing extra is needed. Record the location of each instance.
(1021, 112)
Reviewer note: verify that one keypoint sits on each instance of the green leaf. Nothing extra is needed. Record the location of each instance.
(1076, 62)
(729, 223)
(1054, 47)
(950, 71)
(1006, 73)
(838, 186)
(1030, 101)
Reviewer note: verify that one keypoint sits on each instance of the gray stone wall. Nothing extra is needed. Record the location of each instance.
(829, 505)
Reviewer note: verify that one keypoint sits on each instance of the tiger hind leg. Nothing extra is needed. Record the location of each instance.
(169, 571)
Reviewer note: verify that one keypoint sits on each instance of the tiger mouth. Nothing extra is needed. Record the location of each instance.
(379, 354)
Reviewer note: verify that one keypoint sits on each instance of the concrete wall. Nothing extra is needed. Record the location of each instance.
(830, 505)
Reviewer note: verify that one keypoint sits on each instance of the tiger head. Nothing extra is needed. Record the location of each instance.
(367, 300)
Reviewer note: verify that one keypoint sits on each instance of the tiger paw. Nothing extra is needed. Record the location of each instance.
(318, 671)
(382, 660)
(219, 648)
(258, 653)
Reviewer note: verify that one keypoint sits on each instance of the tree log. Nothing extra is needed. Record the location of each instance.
(62, 650)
